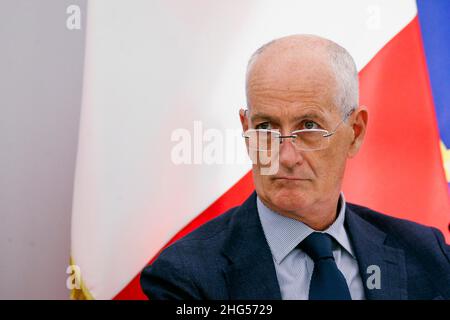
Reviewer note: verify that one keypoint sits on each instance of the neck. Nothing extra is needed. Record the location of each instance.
(318, 216)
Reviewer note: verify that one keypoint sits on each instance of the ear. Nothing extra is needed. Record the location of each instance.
(243, 115)
(358, 128)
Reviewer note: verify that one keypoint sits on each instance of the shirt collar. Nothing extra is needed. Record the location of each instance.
(283, 234)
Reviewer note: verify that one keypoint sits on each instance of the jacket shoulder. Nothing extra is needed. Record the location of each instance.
(387, 222)
(406, 233)
(214, 227)
(175, 272)
(203, 241)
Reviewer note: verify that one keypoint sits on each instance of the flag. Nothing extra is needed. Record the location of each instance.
(163, 83)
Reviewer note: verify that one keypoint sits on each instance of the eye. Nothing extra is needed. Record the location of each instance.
(264, 126)
(309, 124)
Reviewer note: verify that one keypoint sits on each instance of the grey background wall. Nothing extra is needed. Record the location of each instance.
(41, 69)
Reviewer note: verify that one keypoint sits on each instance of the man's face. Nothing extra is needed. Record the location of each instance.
(293, 96)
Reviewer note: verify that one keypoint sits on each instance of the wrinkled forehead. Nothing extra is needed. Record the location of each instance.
(293, 114)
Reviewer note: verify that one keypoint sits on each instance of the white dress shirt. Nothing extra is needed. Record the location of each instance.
(294, 267)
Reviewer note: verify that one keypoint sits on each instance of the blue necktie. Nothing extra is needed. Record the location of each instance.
(327, 282)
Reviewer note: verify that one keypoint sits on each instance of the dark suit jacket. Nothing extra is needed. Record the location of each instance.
(229, 258)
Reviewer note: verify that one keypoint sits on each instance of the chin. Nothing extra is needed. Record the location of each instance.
(289, 200)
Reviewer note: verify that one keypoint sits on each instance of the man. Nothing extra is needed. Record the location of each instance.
(296, 237)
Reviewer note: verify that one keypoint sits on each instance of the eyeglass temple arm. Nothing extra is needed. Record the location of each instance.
(348, 114)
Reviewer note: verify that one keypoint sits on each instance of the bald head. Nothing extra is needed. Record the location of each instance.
(287, 63)
(297, 89)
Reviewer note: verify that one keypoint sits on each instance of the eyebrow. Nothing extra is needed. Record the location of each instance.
(264, 116)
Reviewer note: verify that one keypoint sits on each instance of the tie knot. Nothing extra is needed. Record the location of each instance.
(318, 246)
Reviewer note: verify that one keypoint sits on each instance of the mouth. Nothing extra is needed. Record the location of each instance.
(290, 178)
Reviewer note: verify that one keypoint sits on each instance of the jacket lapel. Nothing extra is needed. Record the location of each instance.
(251, 273)
(370, 250)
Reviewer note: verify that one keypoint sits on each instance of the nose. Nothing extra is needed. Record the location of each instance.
(289, 156)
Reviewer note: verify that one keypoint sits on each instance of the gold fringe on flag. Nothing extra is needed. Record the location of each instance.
(82, 293)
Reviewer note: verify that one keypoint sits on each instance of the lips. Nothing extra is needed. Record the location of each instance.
(289, 178)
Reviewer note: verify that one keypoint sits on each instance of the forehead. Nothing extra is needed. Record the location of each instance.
(312, 101)
(292, 113)
(292, 82)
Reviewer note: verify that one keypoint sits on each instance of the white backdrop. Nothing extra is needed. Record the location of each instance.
(153, 67)
(41, 65)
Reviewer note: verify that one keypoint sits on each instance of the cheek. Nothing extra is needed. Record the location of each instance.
(261, 182)
(266, 182)
(328, 166)
(333, 168)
